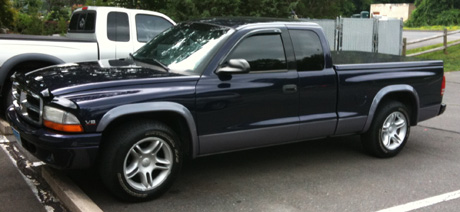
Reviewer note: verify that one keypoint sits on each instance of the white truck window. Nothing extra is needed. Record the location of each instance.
(149, 26)
(83, 22)
(118, 26)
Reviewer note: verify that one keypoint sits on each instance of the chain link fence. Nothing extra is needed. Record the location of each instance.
(368, 35)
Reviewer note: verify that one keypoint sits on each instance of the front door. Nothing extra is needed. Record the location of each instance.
(253, 109)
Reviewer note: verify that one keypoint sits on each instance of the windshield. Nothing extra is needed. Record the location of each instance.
(182, 48)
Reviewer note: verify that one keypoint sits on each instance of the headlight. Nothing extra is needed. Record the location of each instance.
(60, 120)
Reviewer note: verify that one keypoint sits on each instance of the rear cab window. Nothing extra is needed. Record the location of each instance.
(308, 50)
(83, 22)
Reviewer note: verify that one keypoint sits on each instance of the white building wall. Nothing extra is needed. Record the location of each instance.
(393, 10)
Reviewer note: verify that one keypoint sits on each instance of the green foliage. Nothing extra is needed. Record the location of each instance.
(451, 61)
(57, 13)
(265, 8)
(7, 14)
(97, 3)
(181, 10)
(435, 12)
(62, 26)
(38, 17)
(29, 24)
(324, 9)
(28, 6)
(392, 1)
(449, 17)
(434, 28)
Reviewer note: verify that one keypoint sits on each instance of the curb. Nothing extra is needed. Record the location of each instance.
(70, 195)
(5, 128)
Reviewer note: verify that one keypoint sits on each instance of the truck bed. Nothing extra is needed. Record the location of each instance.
(42, 38)
(355, 60)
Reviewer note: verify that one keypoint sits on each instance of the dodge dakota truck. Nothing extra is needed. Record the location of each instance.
(94, 33)
(213, 86)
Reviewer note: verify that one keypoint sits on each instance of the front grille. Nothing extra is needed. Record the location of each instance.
(29, 105)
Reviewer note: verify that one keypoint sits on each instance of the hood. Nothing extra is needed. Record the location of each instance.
(67, 78)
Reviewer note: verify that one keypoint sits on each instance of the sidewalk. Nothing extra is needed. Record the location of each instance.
(15, 193)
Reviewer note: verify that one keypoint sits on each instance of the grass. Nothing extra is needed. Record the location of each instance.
(451, 60)
(421, 49)
(434, 28)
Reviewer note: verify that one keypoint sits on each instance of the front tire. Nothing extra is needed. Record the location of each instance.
(389, 131)
(140, 160)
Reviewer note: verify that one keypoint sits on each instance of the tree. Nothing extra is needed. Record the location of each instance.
(181, 10)
(435, 12)
(325, 9)
(392, 1)
(362, 5)
(7, 14)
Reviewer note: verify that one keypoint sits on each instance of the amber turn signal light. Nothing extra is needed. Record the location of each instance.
(63, 127)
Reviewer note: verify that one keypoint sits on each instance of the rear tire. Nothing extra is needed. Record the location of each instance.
(389, 131)
(140, 160)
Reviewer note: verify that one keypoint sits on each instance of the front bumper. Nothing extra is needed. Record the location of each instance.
(64, 151)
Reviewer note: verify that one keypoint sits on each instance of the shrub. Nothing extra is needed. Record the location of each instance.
(449, 17)
(29, 24)
(435, 12)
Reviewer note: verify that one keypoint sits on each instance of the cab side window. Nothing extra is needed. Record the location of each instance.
(118, 26)
(308, 50)
(149, 26)
(263, 53)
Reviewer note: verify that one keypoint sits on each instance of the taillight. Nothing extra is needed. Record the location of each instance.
(84, 8)
(443, 86)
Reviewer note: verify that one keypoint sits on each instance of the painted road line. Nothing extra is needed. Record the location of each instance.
(424, 202)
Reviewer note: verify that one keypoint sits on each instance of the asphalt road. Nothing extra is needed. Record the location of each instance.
(415, 35)
(323, 175)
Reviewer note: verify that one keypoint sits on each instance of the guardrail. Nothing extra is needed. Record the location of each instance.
(444, 47)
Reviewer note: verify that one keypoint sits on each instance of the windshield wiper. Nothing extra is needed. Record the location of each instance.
(148, 60)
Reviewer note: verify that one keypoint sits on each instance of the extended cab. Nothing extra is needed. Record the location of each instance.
(94, 33)
(214, 86)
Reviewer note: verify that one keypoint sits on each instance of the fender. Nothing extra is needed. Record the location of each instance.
(117, 112)
(382, 93)
(13, 61)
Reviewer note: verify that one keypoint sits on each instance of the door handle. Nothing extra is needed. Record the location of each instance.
(289, 88)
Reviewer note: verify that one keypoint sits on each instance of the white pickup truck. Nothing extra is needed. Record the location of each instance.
(94, 33)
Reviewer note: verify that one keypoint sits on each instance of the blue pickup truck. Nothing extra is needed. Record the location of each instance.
(213, 86)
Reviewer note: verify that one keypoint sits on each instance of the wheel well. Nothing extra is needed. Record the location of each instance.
(173, 120)
(25, 66)
(407, 99)
(30, 65)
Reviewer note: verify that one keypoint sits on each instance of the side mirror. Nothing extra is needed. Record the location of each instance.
(235, 66)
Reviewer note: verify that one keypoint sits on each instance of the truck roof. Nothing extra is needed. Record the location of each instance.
(240, 22)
